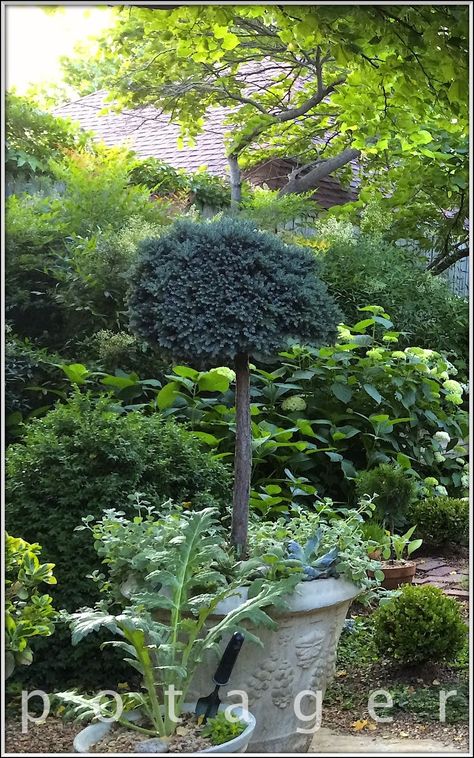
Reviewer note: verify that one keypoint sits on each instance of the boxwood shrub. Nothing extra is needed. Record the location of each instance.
(421, 624)
(441, 520)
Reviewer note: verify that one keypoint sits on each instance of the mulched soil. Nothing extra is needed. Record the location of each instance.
(186, 739)
(346, 711)
(56, 736)
(346, 708)
(52, 736)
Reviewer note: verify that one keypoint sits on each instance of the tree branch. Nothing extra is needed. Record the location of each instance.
(309, 181)
(443, 261)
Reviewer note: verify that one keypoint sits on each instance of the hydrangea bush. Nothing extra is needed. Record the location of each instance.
(327, 413)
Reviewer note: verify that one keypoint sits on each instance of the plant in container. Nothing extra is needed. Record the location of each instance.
(396, 568)
(219, 293)
(165, 577)
(377, 537)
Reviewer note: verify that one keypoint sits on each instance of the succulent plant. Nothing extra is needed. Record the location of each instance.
(321, 567)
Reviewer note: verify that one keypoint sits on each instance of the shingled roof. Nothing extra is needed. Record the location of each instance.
(151, 134)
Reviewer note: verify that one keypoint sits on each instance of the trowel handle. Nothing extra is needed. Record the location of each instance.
(228, 659)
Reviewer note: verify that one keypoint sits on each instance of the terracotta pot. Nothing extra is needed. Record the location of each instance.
(395, 575)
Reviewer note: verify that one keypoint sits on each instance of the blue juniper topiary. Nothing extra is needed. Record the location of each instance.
(219, 292)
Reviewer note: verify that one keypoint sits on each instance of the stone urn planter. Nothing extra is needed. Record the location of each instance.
(300, 655)
(88, 737)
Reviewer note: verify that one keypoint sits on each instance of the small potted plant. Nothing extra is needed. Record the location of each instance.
(397, 569)
(165, 576)
(376, 537)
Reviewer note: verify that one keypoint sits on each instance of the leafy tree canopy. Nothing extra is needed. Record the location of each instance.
(373, 80)
(34, 137)
(384, 85)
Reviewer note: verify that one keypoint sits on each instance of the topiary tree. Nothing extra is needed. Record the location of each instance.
(221, 292)
(393, 489)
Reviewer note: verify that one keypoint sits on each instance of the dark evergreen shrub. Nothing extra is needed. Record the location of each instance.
(221, 292)
(207, 292)
(82, 458)
(392, 489)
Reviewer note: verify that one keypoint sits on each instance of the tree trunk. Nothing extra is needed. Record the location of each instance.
(243, 455)
(235, 182)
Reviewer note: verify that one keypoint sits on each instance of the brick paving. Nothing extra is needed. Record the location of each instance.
(450, 574)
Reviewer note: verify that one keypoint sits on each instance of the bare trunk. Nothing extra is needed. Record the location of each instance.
(235, 182)
(243, 455)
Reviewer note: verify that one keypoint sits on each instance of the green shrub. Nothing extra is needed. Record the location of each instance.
(34, 136)
(223, 291)
(327, 413)
(96, 191)
(66, 277)
(267, 209)
(441, 520)
(82, 458)
(121, 350)
(33, 382)
(363, 268)
(94, 274)
(418, 625)
(35, 234)
(28, 613)
(393, 491)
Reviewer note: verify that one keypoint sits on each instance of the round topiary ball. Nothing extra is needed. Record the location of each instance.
(421, 624)
(206, 292)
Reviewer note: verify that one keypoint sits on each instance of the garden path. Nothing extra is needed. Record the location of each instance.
(450, 574)
(329, 741)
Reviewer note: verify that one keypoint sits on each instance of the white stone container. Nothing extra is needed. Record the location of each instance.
(93, 733)
(299, 656)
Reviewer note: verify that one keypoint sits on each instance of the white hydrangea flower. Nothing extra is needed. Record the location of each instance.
(455, 399)
(375, 352)
(443, 439)
(225, 371)
(295, 403)
(439, 457)
(452, 386)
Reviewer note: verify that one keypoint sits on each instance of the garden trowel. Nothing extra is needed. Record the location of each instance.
(207, 707)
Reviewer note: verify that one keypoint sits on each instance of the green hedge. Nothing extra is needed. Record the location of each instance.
(441, 520)
(81, 459)
(421, 624)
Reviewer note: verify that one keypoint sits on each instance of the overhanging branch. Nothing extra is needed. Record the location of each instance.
(303, 183)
